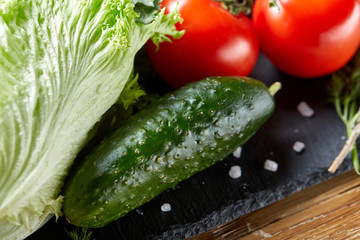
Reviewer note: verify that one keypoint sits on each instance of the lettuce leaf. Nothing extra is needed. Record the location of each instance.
(63, 64)
(146, 9)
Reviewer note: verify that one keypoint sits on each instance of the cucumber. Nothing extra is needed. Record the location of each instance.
(182, 133)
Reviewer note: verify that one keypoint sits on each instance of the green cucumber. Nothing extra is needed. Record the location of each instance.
(180, 134)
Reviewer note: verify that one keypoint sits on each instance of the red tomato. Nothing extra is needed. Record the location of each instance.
(308, 38)
(215, 43)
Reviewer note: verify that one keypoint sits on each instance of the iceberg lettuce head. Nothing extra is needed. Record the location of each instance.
(63, 63)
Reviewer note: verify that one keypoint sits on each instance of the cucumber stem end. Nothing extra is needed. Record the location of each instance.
(274, 88)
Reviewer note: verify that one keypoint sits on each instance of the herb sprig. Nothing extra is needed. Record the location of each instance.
(79, 234)
(344, 91)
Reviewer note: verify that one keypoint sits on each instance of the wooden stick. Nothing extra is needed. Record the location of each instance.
(349, 145)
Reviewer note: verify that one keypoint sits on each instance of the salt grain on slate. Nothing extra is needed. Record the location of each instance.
(138, 211)
(166, 207)
(270, 165)
(237, 152)
(305, 110)
(298, 146)
(235, 172)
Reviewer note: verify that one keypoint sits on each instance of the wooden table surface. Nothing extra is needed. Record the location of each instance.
(329, 210)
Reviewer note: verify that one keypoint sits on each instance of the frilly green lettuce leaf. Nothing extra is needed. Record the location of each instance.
(63, 63)
(146, 9)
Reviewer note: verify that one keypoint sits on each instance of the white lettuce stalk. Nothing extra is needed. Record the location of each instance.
(63, 63)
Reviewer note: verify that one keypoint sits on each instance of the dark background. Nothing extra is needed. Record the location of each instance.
(211, 197)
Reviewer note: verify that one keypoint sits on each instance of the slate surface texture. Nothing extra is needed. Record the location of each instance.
(212, 197)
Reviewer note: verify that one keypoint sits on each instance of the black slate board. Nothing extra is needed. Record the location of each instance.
(211, 197)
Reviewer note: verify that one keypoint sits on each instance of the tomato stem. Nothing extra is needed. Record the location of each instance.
(273, 5)
(237, 6)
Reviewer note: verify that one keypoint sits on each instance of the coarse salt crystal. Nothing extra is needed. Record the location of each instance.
(298, 146)
(270, 165)
(305, 110)
(235, 171)
(138, 211)
(166, 207)
(237, 152)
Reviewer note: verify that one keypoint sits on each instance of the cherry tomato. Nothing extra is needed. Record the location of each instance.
(308, 38)
(215, 43)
